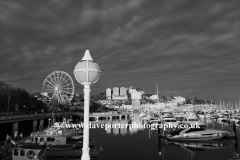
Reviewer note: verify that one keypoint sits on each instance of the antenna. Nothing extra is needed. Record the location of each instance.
(157, 94)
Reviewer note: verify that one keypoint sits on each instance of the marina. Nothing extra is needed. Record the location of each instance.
(119, 80)
(56, 142)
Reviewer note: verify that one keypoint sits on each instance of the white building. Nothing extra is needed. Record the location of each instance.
(154, 97)
(120, 97)
(136, 95)
(136, 103)
(44, 94)
(108, 93)
(123, 91)
(179, 100)
(115, 91)
(131, 90)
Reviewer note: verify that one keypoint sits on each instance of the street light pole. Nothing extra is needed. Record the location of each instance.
(86, 72)
(85, 149)
(49, 122)
(211, 104)
(8, 105)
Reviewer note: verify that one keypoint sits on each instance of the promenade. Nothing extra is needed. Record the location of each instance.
(23, 117)
(108, 115)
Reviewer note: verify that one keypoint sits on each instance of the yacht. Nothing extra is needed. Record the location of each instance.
(63, 142)
(186, 132)
(58, 142)
(169, 123)
(28, 151)
(193, 120)
(179, 118)
(205, 145)
(70, 151)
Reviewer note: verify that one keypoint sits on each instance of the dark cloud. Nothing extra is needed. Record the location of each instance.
(190, 48)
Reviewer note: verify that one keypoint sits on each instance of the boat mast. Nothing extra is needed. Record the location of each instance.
(157, 94)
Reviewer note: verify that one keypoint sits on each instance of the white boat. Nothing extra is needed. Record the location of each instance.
(187, 133)
(166, 114)
(22, 150)
(63, 142)
(28, 151)
(204, 145)
(179, 118)
(170, 122)
(77, 135)
(193, 120)
(154, 124)
(141, 114)
(70, 151)
(201, 116)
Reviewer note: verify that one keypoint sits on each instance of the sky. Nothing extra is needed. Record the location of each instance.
(189, 48)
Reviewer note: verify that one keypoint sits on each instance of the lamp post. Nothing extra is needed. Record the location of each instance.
(49, 122)
(8, 106)
(211, 104)
(86, 72)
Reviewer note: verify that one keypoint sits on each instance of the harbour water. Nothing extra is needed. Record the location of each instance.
(143, 143)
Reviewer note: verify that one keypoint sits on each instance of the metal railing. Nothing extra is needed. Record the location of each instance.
(105, 113)
(29, 116)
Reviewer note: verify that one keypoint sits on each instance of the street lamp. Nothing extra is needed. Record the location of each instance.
(86, 72)
(8, 106)
(49, 122)
(211, 104)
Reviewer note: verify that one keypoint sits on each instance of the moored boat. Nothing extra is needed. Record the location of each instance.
(193, 120)
(28, 151)
(205, 145)
(70, 151)
(186, 133)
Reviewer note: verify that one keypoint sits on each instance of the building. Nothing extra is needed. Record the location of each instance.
(136, 103)
(131, 90)
(115, 91)
(120, 97)
(44, 94)
(179, 100)
(123, 91)
(136, 95)
(154, 97)
(109, 93)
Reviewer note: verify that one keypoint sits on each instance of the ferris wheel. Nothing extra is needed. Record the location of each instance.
(59, 87)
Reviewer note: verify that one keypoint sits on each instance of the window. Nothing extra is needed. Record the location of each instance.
(49, 139)
(41, 139)
(22, 152)
(170, 120)
(16, 152)
(195, 129)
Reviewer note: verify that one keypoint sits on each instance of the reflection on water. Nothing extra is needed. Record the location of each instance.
(142, 143)
(130, 143)
(236, 153)
(131, 126)
(191, 147)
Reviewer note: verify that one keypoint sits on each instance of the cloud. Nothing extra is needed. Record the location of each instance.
(178, 44)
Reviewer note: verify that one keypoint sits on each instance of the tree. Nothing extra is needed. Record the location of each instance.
(17, 97)
(138, 89)
(78, 98)
(99, 96)
(94, 106)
